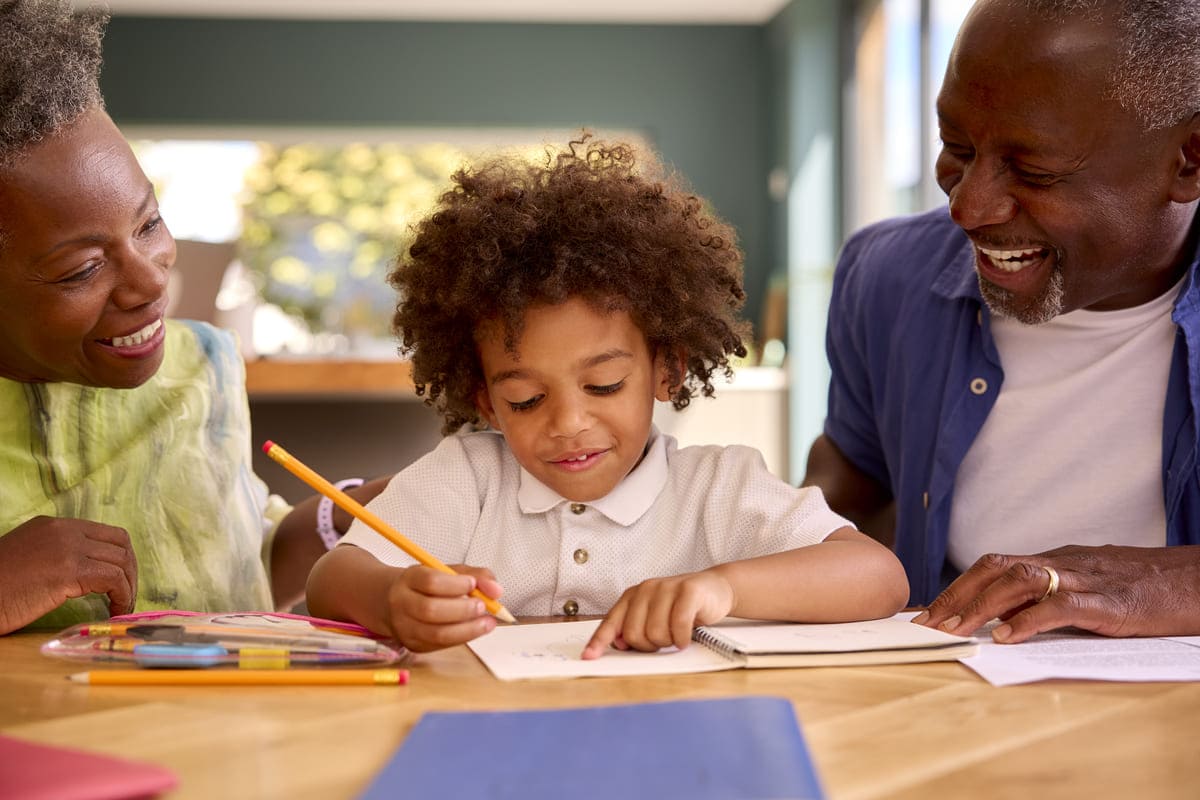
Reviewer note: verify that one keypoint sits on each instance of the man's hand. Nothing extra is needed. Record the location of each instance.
(662, 612)
(48, 560)
(1110, 590)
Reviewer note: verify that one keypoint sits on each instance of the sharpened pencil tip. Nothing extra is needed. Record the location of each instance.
(504, 615)
(78, 677)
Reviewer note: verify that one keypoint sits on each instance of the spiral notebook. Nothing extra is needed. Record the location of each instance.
(551, 650)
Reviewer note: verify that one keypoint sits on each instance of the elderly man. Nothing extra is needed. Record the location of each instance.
(1021, 374)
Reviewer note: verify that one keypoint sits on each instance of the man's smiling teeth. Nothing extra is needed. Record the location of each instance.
(137, 337)
(578, 458)
(1013, 260)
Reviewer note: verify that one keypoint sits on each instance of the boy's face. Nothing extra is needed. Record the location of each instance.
(574, 402)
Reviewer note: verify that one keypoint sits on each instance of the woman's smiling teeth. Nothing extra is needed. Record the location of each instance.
(137, 337)
(1013, 260)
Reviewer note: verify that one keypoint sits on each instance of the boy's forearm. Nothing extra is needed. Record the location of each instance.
(847, 577)
(349, 583)
(297, 546)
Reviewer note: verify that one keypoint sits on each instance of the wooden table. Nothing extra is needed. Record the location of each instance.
(909, 731)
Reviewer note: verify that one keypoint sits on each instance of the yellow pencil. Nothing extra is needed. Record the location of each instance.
(243, 677)
(355, 509)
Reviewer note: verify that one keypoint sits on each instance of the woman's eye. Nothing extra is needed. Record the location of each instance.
(525, 405)
(609, 389)
(88, 270)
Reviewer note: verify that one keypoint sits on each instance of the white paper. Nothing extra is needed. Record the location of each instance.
(1076, 655)
(552, 649)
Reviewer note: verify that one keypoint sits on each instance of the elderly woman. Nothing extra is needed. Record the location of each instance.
(125, 443)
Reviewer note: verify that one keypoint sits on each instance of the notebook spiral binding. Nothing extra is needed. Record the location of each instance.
(715, 642)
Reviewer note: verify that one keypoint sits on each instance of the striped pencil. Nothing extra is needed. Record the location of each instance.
(355, 509)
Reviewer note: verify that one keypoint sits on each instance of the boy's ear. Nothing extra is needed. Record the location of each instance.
(668, 374)
(1185, 187)
(483, 402)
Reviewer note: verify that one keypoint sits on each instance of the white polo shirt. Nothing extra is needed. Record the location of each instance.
(678, 511)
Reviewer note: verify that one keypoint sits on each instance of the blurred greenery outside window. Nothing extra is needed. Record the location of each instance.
(318, 224)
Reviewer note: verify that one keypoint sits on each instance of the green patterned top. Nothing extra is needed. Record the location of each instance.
(168, 461)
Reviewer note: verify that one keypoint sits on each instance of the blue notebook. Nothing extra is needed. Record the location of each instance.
(743, 747)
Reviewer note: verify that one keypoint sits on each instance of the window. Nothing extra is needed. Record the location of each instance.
(311, 221)
(900, 53)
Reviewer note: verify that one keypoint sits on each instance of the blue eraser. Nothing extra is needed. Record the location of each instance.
(179, 655)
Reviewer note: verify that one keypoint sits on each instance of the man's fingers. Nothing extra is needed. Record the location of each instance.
(966, 589)
(1018, 586)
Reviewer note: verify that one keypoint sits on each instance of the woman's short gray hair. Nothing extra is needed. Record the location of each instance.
(49, 69)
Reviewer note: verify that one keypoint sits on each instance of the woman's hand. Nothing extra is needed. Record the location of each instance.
(662, 612)
(1110, 590)
(48, 560)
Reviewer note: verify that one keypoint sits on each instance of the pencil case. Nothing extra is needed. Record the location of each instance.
(246, 640)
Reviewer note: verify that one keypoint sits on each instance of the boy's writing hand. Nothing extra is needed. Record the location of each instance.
(430, 610)
(662, 612)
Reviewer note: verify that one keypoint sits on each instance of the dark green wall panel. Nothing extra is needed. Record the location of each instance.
(699, 92)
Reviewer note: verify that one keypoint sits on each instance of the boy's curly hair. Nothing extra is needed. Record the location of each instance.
(588, 222)
(49, 69)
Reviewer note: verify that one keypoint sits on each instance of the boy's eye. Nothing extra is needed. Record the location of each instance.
(525, 405)
(609, 389)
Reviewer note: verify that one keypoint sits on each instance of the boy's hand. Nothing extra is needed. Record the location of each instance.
(662, 612)
(430, 610)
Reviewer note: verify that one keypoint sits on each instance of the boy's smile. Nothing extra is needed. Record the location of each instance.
(575, 399)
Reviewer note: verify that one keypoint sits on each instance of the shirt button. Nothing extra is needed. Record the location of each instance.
(978, 386)
(578, 508)
(580, 556)
(570, 608)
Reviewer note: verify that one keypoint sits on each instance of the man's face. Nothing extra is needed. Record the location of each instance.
(1066, 197)
(83, 267)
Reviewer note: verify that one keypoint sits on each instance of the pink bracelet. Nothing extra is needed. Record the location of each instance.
(329, 534)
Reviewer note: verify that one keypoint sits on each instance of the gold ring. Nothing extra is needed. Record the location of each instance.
(1052, 589)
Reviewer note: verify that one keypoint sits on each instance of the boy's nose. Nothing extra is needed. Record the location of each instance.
(569, 418)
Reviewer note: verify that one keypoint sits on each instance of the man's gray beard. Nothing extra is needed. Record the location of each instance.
(1043, 308)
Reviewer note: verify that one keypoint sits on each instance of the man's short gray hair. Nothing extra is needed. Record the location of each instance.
(1158, 70)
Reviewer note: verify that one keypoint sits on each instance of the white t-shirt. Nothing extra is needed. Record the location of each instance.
(678, 511)
(1072, 451)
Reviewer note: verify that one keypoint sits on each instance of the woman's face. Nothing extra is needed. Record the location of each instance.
(84, 256)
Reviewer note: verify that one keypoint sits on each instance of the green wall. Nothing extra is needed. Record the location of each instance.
(699, 92)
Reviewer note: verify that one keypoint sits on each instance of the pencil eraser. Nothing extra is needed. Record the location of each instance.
(267, 445)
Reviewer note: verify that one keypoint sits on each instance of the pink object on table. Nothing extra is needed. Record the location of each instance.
(32, 771)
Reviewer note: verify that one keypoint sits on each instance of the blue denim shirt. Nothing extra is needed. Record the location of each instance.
(916, 372)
